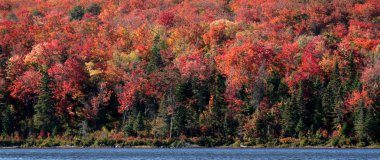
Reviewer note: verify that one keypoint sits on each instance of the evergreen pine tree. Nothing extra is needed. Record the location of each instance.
(183, 91)
(1, 122)
(128, 129)
(290, 116)
(359, 124)
(230, 126)
(317, 103)
(7, 121)
(94, 9)
(328, 110)
(352, 74)
(77, 13)
(162, 121)
(139, 126)
(332, 100)
(218, 105)
(44, 118)
(300, 128)
(369, 123)
(155, 59)
(337, 89)
(300, 104)
(179, 121)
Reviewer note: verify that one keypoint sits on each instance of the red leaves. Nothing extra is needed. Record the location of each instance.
(166, 19)
(358, 98)
(5, 5)
(215, 35)
(220, 32)
(288, 59)
(247, 15)
(364, 34)
(2, 82)
(45, 53)
(126, 96)
(367, 10)
(26, 86)
(134, 83)
(371, 79)
(340, 30)
(310, 60)
(194, 65)
(69, 78)
(241, 65)
(101, 99)
(309, 65)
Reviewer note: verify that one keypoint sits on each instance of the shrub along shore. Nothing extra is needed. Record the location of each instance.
(111, 139)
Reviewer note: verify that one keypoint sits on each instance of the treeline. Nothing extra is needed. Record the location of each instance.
(255, 72)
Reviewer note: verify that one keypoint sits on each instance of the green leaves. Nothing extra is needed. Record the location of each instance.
(94, 9)
(77, 13)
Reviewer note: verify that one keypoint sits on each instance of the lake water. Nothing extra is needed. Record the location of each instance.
(194, 153)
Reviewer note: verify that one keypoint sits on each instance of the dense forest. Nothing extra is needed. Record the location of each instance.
(210, 72)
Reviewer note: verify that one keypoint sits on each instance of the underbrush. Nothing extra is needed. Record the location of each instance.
(106, 138)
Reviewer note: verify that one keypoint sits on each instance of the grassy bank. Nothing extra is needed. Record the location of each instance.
(104, 140)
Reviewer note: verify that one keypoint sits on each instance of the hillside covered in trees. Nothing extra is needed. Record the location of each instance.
(211, 72)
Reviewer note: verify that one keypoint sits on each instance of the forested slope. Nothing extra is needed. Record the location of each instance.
(213, 71)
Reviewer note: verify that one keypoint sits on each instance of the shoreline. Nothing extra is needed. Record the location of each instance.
(204, 147)
(195, 142)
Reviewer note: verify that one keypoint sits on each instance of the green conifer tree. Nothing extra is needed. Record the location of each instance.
(290, 116)
(94, 9)
(7, 119)
(139, 126)
(328, 110)
(337, 88)
(162, 121)
(44, 118)
(300, 128)
(155, 60)
(360, 122)
(317, 103)
(77, 13)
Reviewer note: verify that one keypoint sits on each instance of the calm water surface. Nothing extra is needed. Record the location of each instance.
(196, 153)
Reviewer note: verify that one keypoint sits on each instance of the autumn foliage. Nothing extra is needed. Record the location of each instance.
(262, 69)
